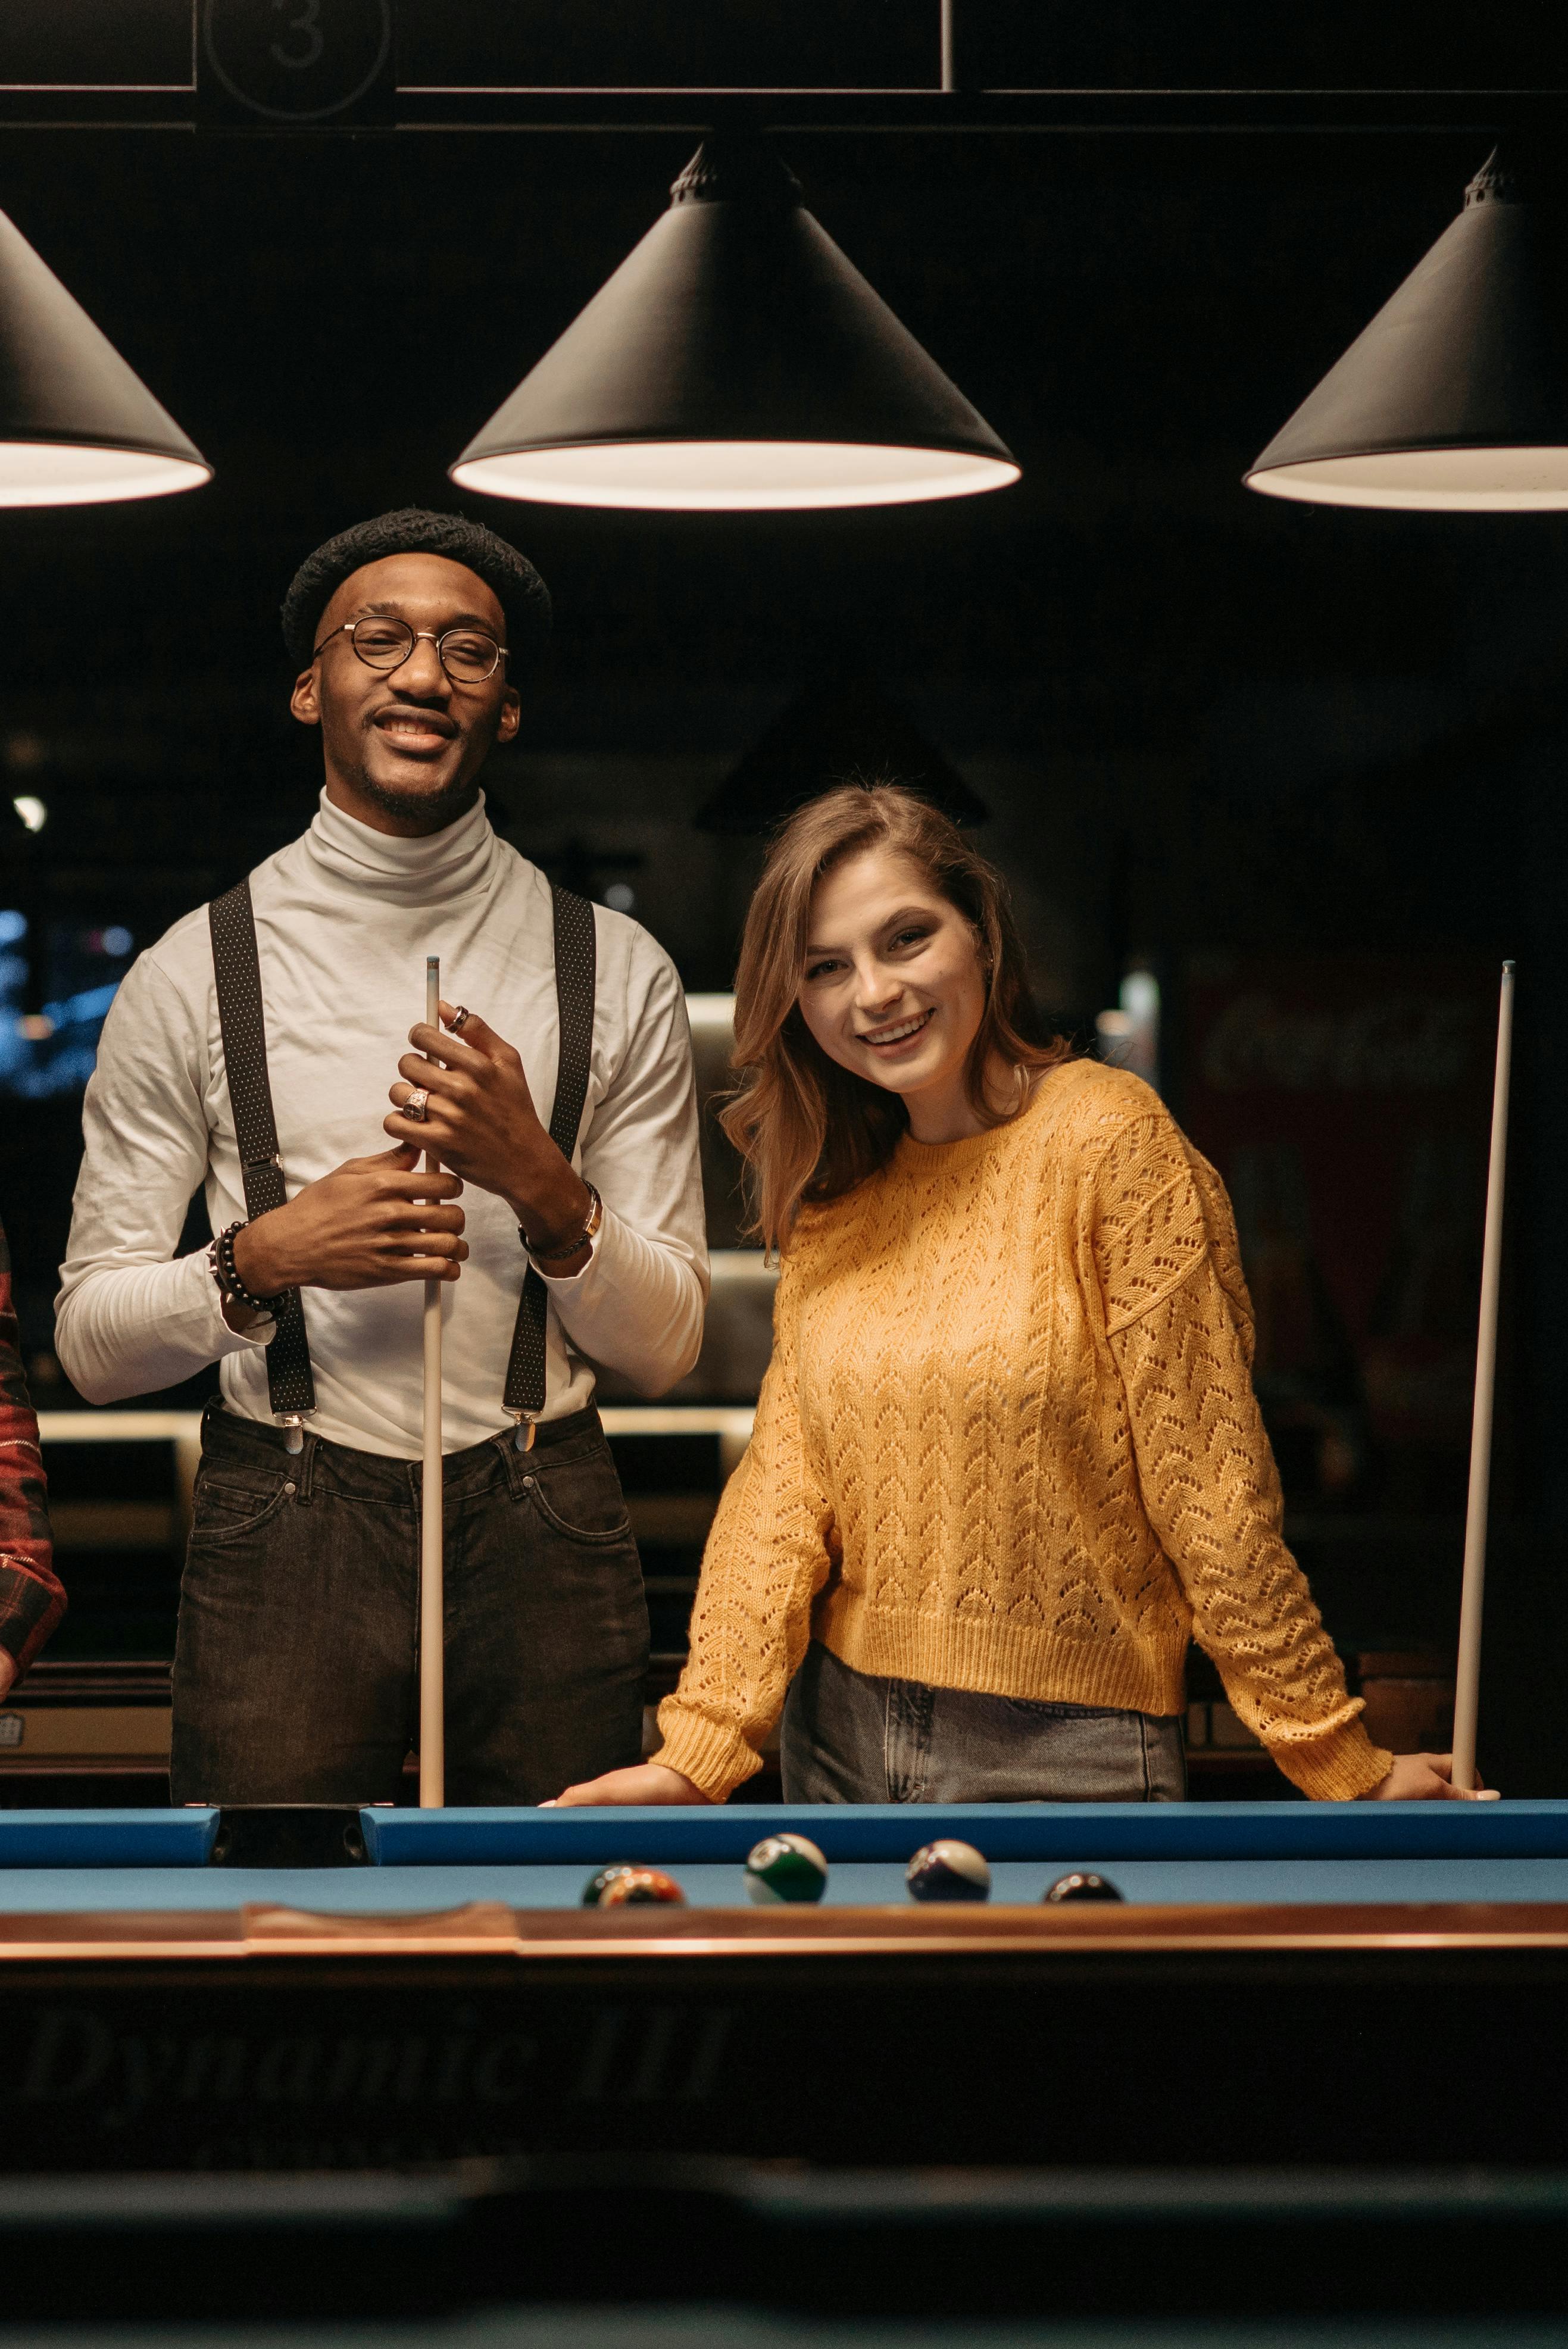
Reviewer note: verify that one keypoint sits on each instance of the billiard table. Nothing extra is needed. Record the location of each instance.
(1281, 1984)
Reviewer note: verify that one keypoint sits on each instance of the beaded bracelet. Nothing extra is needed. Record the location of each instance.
(559, 1254)
(221, 1257)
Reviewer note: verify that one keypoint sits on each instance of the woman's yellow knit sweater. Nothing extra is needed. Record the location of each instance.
(1008, 1441)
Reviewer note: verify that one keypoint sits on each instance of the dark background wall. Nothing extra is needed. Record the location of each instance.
(1202, 719)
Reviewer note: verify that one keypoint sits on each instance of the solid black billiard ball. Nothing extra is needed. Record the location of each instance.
(1083, 1887)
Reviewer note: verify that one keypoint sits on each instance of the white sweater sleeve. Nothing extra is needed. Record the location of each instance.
(132, 1318)
(638, 1304)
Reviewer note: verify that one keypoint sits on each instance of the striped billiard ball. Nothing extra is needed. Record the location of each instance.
(946, 1870)
(786, 1868)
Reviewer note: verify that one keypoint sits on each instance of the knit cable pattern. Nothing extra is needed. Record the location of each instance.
(1009, 1443)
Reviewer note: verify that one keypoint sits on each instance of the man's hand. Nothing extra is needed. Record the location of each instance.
(1424, 1778)
(481, 1121)
(7, 1669)
(368, 1225)
(646, 1781)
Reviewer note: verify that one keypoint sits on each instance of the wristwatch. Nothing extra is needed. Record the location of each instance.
(559, 1253)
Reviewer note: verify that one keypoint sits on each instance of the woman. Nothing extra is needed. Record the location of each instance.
(1007, 1458)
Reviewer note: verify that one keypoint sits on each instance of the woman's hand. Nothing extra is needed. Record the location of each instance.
(647, 1782)
(1424, 1778)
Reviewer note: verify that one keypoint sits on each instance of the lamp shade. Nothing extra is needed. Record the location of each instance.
(1456, 397)
(736, 359)
(77, 426)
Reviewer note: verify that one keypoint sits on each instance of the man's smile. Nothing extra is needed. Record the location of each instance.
(423, 733)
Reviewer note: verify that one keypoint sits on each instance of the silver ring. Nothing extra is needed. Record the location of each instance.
(458, 1017)
(417, 1103)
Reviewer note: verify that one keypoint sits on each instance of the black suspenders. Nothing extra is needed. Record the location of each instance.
(244, 1027)
(575, 976)
(242, 1020)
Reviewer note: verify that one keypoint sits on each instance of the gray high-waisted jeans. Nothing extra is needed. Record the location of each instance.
(848, 1737)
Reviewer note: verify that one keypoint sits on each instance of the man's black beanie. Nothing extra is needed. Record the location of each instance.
(519, 589)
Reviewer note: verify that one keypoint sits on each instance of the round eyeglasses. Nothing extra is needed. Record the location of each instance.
(468, 655)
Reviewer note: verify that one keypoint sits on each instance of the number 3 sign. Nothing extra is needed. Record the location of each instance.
(297, 60)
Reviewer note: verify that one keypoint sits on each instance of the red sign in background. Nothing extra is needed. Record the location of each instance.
(1346, 1103)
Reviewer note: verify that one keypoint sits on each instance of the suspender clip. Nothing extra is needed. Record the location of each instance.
(293, 1424)
(528, 1419)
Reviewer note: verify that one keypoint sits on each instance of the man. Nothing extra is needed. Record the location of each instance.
(295, 1666)
(30, 1599)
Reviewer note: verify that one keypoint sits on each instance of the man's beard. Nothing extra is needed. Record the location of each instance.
(433, 811)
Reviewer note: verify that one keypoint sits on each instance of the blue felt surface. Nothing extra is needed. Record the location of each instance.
(1023, 1831)
(107, 1838)
(1197, 1847)
(391, 1891)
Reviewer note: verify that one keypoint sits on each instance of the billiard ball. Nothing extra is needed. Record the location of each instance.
(593, 1891)
(636, 1887)
(786, 1868)
(947, 1870)
(1083, 1887)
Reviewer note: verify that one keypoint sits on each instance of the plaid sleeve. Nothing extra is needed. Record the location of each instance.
(31, 1598)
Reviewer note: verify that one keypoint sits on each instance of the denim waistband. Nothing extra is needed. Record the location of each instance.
(226, 1435)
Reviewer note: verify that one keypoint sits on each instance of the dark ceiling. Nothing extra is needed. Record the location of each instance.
(1197, 714)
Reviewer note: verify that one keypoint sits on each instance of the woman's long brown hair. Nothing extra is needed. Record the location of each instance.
(807, 1129)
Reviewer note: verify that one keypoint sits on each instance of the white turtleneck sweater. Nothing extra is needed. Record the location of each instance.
(345, 918)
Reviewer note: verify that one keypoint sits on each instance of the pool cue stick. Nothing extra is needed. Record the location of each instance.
(1467, 1679)
(432, 1578)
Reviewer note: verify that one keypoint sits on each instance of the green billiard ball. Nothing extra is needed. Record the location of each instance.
(786, 1868)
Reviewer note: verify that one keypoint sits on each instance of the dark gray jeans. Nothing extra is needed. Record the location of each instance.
(850, 1738)
(295, 1668)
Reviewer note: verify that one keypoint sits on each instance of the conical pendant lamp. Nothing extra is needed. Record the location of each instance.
(1456, 397)
(736, 359)
(77, 426)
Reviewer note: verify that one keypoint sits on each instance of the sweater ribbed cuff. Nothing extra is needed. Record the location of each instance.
(1336, 1767)
(712, 1754)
